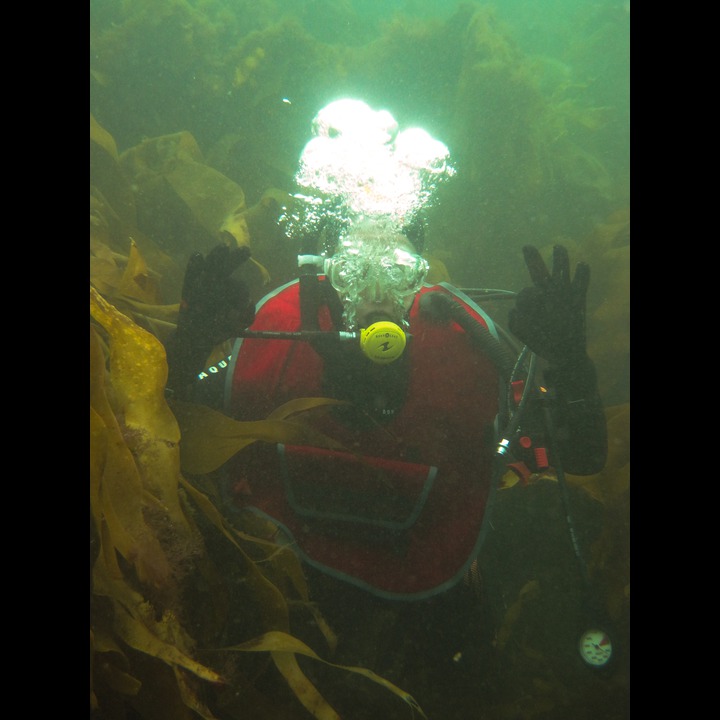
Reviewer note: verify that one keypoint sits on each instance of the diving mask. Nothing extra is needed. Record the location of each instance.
(374, 274)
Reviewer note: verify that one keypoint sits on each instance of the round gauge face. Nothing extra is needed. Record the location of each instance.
(595, 647)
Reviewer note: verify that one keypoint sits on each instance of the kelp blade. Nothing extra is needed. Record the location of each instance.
(210, 438)
(281, 645)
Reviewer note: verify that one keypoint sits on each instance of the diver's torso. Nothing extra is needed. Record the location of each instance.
(403, 483)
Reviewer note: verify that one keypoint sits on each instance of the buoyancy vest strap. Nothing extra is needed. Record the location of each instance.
(309, 300)
(309, 264)
(331, 299)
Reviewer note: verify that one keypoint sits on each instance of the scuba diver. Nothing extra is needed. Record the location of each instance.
(430, 412)
(398, 508)
(388, 501)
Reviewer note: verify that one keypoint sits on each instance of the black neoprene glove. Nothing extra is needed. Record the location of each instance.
(549, 317)
(214, 307)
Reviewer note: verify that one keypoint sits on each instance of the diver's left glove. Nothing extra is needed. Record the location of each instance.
(215, 306)
(549, 316)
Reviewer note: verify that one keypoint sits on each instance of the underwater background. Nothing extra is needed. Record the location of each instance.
(199, 111)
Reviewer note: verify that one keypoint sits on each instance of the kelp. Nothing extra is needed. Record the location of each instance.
(128, 282)
(210, 200)
(608, 253)
(211, 438)
(263, 590)
(284, 647)
(528, 592)
(610, 553)
(147, 543)
(177, 161)
(126, 266)
(139, 526)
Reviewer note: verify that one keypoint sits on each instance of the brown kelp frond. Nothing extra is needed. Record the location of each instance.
(610, 553)
(284, 647)
(211, 438)
(144, 545)
(268, 594)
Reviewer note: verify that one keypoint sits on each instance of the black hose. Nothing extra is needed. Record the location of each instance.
(441, 308)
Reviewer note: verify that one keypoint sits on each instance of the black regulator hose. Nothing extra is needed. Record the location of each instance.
(441, 308)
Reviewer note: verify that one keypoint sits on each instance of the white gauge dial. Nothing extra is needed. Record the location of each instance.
(595, 647)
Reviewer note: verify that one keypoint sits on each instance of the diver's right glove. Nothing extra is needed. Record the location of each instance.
(214, 307)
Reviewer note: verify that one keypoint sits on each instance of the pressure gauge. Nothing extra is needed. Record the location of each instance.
(595, 648)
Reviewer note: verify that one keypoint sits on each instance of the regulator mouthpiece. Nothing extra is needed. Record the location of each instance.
(383, 342)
